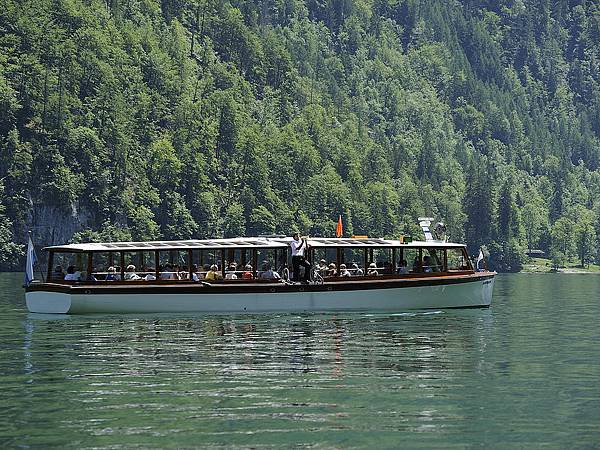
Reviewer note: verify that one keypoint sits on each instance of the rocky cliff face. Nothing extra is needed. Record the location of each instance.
(51, 225)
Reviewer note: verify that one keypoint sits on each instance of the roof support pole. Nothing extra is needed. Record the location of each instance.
(50, 264)
(90, 265)
(122, 262)
(393, 260)
(223, 262)
(254, 262)
(445, 268)
(189, 263)
(156, 264)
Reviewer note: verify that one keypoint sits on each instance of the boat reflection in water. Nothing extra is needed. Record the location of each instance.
(158, 376)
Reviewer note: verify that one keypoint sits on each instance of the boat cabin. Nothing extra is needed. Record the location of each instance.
(248, 259)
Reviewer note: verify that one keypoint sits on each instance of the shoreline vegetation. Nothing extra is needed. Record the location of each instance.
(543, 265)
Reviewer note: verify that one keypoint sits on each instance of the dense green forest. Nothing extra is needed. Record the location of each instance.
(148, 119)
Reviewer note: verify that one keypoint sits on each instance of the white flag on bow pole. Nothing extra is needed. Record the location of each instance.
(479, 258)
(31, 260)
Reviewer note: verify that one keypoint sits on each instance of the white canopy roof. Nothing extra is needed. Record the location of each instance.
(209, 244)
(318, 242)
(244, 243)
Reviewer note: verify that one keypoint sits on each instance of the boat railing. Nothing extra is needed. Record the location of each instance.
(317, 277)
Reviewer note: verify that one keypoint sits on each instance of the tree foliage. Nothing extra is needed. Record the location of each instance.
(213, 118)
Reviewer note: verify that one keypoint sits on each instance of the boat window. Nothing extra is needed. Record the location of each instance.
(325, 261)
(269, 258)
(235, 262)
(354, 260)
(433, 260)
(68, 266)
(105, 262)
(172, 264)
(456, 259)
(207, 258)
(382, 257)
(412, 257)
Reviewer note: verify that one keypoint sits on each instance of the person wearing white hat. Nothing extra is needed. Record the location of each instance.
(372, 269)
(344, 272)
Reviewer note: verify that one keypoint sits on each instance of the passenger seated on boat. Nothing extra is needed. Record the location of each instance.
(248, 275)
(72, 274)
(230, 273)
(322, 267)
(111, 275)
(427, 264)
(417, 266)
(150, 275)
(169, 273)
(343, 271)
(213, 274)
(358, 272)
(435, 264)
(269, 274)
(182, 272)
(194, 273)
(403, 267)
(332, 271)
(130, 273)
(388, 268)
(372, 269)
(58, 273)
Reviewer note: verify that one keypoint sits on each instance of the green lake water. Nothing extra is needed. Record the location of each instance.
(524, 373)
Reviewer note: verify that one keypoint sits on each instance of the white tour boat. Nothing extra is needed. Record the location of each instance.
(359, 274)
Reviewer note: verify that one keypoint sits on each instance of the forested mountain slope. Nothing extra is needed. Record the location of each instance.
(146, 119)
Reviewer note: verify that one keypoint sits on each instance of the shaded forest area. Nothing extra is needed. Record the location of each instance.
(173, 119)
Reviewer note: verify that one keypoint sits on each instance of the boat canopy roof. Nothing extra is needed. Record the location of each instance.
(243, 243)
(373, 242)
(208, 244)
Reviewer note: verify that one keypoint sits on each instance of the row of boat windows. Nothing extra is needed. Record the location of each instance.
(238, 263)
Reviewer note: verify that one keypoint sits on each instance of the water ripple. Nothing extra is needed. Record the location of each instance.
(522, 374)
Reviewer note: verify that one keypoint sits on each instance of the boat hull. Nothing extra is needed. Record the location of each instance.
(435, 292)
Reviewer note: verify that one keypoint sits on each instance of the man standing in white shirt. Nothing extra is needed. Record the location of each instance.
(299, 247)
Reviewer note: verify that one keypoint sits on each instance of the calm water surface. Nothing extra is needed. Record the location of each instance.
(523, 374)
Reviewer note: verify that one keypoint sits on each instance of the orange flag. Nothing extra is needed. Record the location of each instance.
(338, 229)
